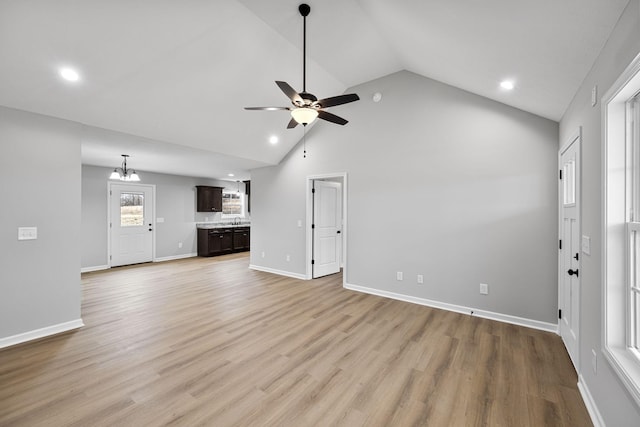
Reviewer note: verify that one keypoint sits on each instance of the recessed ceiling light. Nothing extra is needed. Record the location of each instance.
(507, 84)
(273, 139)
(69, 74)
(230, 174)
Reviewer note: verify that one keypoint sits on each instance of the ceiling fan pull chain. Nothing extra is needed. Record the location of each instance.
(304, 141)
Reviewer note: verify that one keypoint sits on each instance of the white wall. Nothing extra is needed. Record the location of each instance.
(442, 183)
(612, 400)
(40, 174)
(175, 202)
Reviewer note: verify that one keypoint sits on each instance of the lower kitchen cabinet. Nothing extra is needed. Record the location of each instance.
(220, 241)
(241, 239)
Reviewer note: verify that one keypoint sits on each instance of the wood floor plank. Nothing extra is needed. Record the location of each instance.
(206, 341)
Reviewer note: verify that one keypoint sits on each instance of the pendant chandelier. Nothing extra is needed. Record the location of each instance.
(124, 174)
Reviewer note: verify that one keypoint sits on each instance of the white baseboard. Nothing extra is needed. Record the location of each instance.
(506, 318)
(94, 268)
(40, 333)
(596, 418)
(279, 272)
(175, 257)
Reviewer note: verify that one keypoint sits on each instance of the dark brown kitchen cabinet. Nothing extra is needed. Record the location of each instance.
(241, 239)
(215, 241)
(209, 199)
(220, 241)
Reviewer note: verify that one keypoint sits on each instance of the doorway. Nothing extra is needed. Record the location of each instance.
(569, 246)
(131, 225)
(326, 224)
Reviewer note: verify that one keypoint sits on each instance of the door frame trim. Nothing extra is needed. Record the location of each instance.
(574, 138)
(309, 219)
(153, 219)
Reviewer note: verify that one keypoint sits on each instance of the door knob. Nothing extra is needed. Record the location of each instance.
(572, 272)
(151, 229)
(338, 231)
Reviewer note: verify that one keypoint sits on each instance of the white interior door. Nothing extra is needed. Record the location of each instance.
(131, 223)
(569, 260)
(327, 228)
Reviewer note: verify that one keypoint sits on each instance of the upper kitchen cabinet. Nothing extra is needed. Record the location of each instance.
(209, 199)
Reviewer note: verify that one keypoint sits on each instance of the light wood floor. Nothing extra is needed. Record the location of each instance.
(208, 342)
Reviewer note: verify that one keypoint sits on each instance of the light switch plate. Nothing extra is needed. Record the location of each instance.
(159, 220)
(586, 245)
(27, 233)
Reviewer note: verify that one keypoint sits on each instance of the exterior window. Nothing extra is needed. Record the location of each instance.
(131, 209)
(633, 222)
(232, 204)
(621, 228)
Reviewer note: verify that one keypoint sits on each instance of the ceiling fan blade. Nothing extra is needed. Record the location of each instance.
(332, 118)
(290, 92)
(292, 124)
(337, 100)
(266, 108)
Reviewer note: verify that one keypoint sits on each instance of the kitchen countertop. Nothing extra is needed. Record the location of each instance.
(220, 225)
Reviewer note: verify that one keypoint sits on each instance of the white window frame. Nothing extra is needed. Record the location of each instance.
(243, 198)
(619, 193)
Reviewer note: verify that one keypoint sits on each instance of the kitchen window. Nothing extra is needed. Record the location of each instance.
(233, 205)
(621, 227)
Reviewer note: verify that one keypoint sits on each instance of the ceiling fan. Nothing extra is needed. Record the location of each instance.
(306, 107)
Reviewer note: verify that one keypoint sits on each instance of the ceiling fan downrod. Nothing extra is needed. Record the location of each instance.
(304, 10)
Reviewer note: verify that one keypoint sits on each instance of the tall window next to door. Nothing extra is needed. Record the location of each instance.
(633, 223)
(621, 227)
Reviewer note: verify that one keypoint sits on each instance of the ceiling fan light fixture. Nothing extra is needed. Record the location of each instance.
(304, 115)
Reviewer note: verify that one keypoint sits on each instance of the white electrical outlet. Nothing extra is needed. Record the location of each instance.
(586, 245)
(299, 223)
(288, 257)
(594, 361)
(420, 278)
(262, 254)
(399, 275)
(484, 289)
(179, 244)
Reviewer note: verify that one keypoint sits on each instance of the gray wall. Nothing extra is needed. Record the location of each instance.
(40, 173)
(442, 183)
(175, 202)
(612, 400)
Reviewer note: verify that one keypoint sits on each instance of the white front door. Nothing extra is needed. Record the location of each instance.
(131, 223)
(569, 260)
(327, 228)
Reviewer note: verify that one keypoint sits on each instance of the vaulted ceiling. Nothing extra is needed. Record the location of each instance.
(166, 80)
